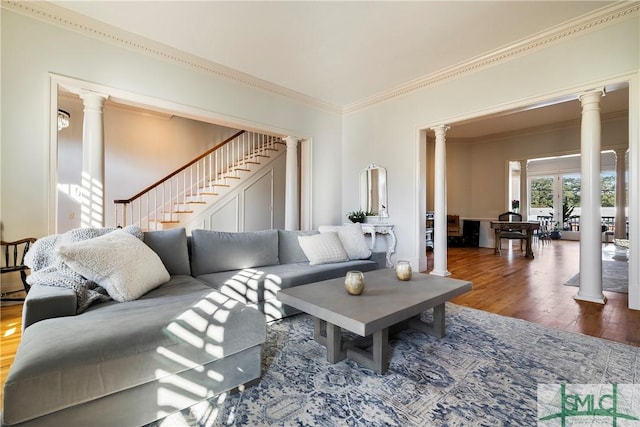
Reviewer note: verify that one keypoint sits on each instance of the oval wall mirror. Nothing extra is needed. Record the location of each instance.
(373, 190)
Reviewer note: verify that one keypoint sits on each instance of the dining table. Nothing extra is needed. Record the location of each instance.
(523, 226)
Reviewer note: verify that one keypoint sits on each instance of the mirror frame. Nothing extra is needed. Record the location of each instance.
(373, 190)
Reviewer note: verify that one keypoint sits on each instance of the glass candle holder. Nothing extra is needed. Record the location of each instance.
(354, 282)
(403, 270)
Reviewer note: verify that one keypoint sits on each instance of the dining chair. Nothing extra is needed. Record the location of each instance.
(13, 262)
(510, 234)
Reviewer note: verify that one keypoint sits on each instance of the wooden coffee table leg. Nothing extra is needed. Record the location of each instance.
(437, 329)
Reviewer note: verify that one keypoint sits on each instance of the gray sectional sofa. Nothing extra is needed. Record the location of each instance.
(193, 337)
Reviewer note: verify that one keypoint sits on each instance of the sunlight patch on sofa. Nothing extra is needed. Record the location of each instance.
(244, 286)
(177, 382)
(188, 363)
(272, 310)
(185, 335)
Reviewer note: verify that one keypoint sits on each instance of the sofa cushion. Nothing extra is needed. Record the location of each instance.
(213, 251)
(179, 326)
(119, 262)
(323, 248)
(171, 247)
(289, 249)
(352, 239)
(252, 285)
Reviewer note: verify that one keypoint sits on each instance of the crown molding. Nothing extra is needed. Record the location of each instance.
(78, 23)
(615, 115)
(570, 29)
(67, 19)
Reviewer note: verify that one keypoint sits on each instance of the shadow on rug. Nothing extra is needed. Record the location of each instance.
(485, 371)
(615, 277)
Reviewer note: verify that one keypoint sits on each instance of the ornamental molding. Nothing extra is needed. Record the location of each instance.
(61, 17)
(90, 27)
(532, 130)
(570, 29)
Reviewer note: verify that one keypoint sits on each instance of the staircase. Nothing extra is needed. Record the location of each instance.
(185, 193)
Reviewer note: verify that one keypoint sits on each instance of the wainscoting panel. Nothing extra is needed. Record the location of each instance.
(225, 217)
(258, 204)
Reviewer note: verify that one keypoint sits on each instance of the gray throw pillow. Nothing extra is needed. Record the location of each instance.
(171, 247)
(289, 250)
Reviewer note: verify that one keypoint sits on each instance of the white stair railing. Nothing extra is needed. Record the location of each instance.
(164, 201)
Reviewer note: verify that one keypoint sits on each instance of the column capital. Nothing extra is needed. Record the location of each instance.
(593, 95)
(93, 99)
(441, 129)
(620, 152)
(292, 141)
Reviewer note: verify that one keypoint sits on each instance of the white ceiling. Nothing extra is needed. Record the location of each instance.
(340, 52)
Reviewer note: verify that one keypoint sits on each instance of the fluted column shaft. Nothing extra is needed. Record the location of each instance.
(292, 204)
(590, 203)
(92, 183)
(440, 204)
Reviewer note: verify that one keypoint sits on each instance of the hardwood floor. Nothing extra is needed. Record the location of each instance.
(533, 290)
(510, 285)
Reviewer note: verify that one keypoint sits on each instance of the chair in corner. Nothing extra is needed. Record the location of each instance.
(13, 261)
(511, 234)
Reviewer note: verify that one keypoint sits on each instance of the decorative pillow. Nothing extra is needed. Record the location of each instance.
(351, 238)
(119, 262)
(289, 250)
(171, 247)
(323, 248)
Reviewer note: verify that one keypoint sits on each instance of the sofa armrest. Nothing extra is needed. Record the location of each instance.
(44, 302)
(380, 258)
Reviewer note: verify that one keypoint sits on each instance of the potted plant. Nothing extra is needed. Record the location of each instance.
(357, 216)
(555, 234)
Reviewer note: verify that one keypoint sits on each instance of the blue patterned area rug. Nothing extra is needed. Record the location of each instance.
(615, 277)
(485, 371)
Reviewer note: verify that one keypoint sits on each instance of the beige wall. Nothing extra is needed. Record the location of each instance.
(140, 148)
(477, 172)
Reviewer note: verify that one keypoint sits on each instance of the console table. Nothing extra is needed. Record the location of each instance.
(385, 229)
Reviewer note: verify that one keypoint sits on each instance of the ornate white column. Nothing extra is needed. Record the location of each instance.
(291, 203)
(590, 217)
(440, 204)
(621, 194)
(524, 196)
(92, 209)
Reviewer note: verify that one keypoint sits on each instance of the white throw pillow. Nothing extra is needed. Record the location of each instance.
(351, 238)
(119, 262)
(323, 248)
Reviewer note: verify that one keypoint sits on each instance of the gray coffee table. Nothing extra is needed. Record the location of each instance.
(387, 306)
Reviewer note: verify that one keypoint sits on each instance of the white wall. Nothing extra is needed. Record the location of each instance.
(388, 130)
(31, 49)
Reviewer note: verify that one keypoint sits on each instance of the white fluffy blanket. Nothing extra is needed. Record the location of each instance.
(49, 270)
